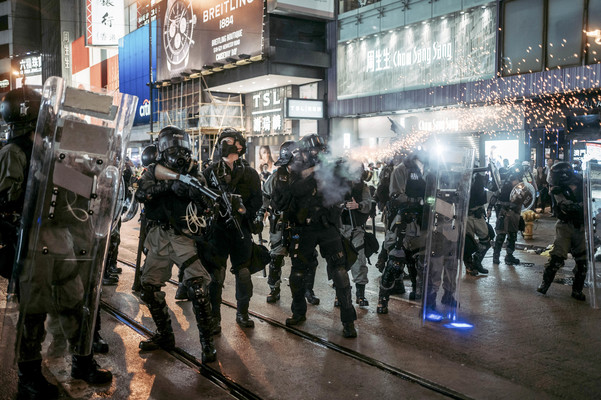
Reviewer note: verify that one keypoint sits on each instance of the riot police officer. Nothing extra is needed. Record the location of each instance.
(20, 109)
(567, 192)
(477, 240)
(508, 219)
(231, 236)
(357, 207)
(277, 219)
(169, 240)
(315, 216)
(407, 190)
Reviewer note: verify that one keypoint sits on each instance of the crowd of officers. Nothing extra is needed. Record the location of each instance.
(198, 218)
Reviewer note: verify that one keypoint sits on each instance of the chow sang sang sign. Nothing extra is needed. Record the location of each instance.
(455, 49)
(205, 32)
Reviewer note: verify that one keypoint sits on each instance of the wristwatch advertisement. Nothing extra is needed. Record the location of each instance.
(195, 33)
(178, 30)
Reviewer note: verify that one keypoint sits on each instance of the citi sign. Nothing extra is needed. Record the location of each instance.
(145, 108)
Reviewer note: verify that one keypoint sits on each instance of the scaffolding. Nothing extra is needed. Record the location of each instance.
(202, 114)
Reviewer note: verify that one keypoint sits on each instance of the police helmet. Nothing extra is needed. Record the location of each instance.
(20, 109)
(226, 149)
(174, 149)
(149, 155)
(313, 143)
(286, 152)
(562, 174)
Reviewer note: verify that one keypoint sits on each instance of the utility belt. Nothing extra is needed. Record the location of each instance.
(163, 225)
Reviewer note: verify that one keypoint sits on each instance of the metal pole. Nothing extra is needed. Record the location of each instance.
(150, 64)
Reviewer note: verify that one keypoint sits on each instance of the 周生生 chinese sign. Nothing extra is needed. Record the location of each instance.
(441, 51)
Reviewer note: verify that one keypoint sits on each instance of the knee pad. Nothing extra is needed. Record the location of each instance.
(340, 277)
(392, 271)
(196, 288)
(336, 259)
(151, 295)
(297, 280)
(276, 261)
(243, 274)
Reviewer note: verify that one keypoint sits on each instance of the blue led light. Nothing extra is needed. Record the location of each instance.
(459, 325)
(432, 316)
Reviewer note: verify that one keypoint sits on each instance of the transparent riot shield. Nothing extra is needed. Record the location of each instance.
(592, 217)
(447, 196)
(76, 162)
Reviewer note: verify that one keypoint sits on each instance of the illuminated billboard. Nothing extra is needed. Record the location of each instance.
(441, 51)
(194, 33)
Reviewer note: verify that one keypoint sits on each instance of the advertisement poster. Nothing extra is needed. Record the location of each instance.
(194, 33)
(265, 158)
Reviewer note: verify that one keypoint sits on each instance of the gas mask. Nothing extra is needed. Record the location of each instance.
(227, 149)
(177, 159)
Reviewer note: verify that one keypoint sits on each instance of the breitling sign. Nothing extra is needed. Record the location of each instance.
(196, 33)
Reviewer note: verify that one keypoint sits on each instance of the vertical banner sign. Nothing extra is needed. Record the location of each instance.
(104, 22)
(195, 33)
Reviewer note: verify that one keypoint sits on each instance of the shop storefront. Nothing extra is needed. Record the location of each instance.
(236, 64)
(495, 132)
(564, 126)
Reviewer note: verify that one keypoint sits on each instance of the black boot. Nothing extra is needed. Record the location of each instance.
(100, 346)
(32, 383)
(309, 283)
(86, 368)
(295, 320)
(165, 341)
(182, 292)
(544, 286)
(470, 269)
(382, 305)
(202, 312)
(479, 268)
(511, 260)
(448, 299)
(163, 338)
(551, 268)
(110, 280)
(348, 330)
(361, 300)
(274, 295)
(243, 319)
(430, 303)
(215, 325)
(113, 269)
(311, 298)
(579, 278)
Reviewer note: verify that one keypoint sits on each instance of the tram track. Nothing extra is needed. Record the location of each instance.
(365, 359)
(227, 384)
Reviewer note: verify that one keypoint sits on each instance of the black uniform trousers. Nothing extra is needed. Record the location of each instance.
(304, 259)
(227, 242)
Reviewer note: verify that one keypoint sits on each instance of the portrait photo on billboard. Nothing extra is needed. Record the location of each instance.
(195, 33)
(265, 158)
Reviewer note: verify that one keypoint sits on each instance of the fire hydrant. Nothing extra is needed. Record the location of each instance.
(529, 218)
